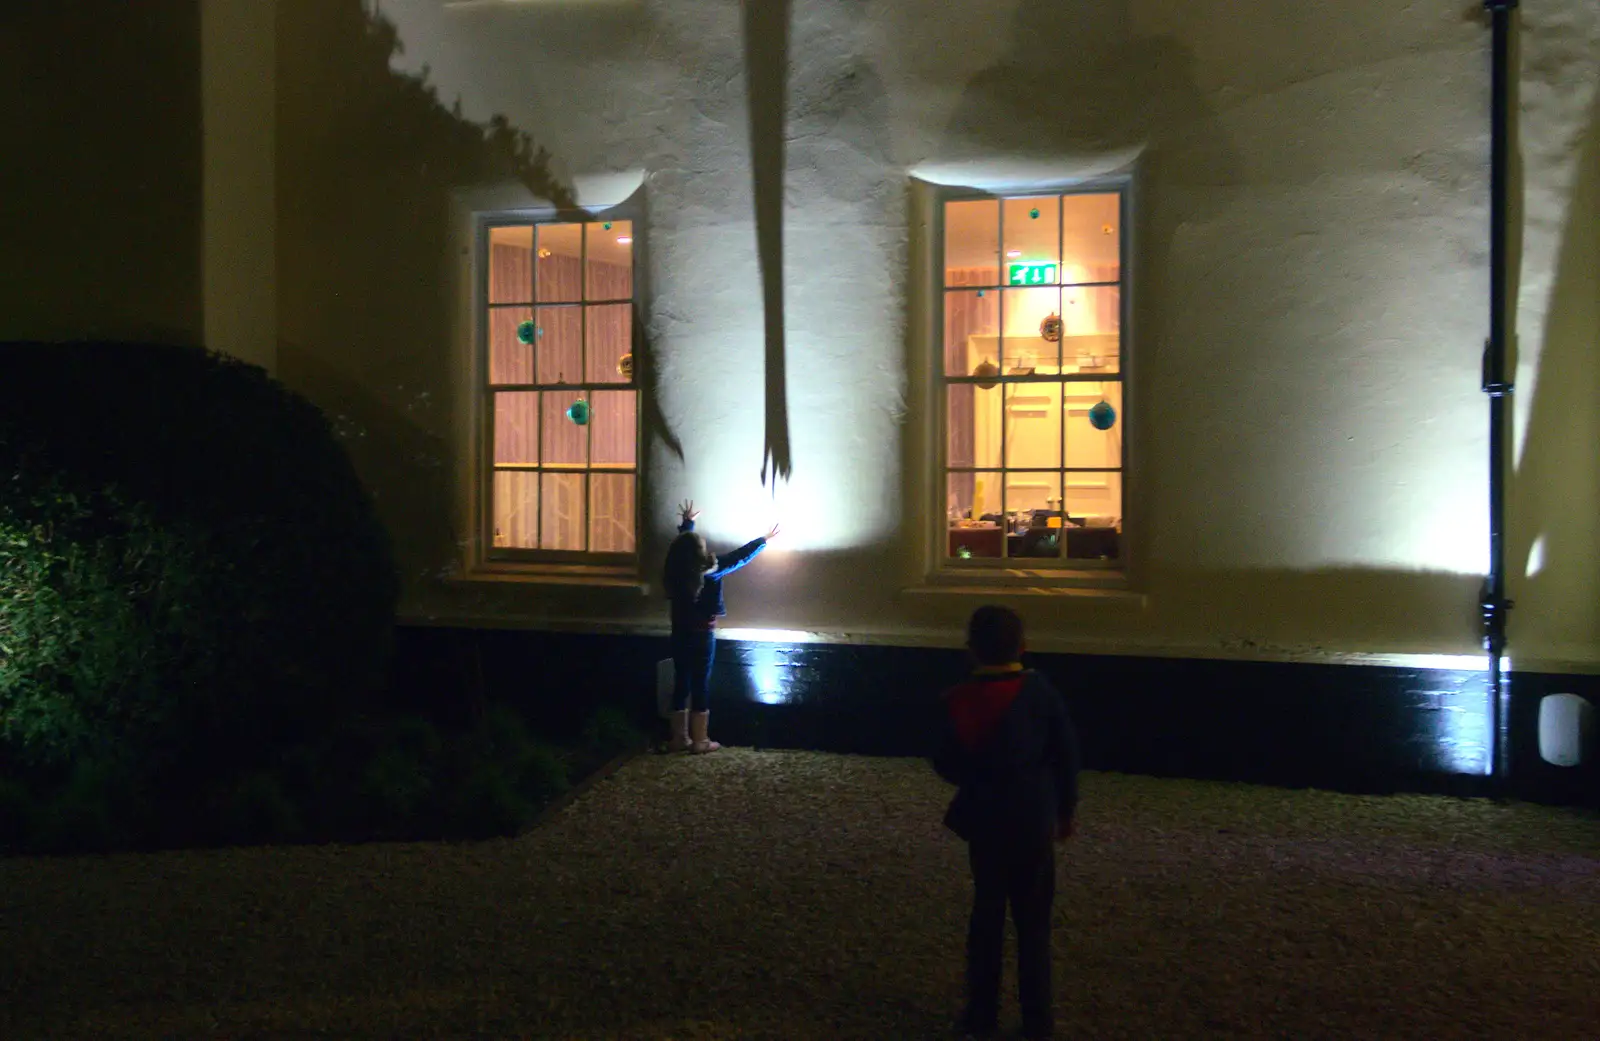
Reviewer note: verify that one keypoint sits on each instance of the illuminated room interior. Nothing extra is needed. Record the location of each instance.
(1033, 375)
(560, 372)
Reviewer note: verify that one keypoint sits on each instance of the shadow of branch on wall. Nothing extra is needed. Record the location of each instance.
(369, 272)
(766, 43)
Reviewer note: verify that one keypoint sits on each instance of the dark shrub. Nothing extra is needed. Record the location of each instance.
(400, 781)
(191, 576)
(18, 812)
(501, 776)
(609, 732)
(95, 809)
(255, 808)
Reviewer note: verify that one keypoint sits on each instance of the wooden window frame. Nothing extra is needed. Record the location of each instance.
(511, 561)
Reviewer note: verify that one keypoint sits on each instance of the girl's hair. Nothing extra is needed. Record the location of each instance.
(688, 560)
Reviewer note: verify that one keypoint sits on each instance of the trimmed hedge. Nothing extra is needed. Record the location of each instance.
(192, 577)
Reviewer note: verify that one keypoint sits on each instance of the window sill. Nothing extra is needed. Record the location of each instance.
(1106, 586)
(573, 575)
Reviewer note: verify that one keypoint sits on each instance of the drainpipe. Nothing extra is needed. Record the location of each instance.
(1498, 387)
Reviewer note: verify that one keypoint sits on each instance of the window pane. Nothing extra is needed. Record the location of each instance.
(560, 339)
(1091, 407)
(566, 441)
(1033, 509)
(516, 509)
(960, 488)
(611, 513)
(561, 507)
(614, 441)
(1032, 496)
(1027, 343)
(960, 424)
(610, 271)
(1032, 246)
(1033, 425)
(971, 330)
(972, 243)
(1096, 500)
(1091, 235)
(510, 264)
(610, 332)
(1091, 321)
(972, 426)
(559, 260)
(516, 428)
(973, 497)
(510, 360)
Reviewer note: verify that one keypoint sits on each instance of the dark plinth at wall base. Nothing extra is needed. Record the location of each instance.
(1353, 728)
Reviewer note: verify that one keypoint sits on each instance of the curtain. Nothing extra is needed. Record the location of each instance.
(611, 435)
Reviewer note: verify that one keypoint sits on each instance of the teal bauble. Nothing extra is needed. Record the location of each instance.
(578, 412)
(1103, 416)
(526, 331)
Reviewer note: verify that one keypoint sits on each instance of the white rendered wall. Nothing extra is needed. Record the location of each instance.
(1311, 271)
(238, 118)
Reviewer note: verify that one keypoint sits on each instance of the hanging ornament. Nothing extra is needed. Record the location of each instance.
(625, 367)
(986, 369)
(1033, 214)
(607, 225)
(1103, 416)
(578, 412)
(1050, 328)
(526, 331)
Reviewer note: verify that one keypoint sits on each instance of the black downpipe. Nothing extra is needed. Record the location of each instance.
(1494, 602)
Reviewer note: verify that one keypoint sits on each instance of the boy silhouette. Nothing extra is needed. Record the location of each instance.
(1011, 749)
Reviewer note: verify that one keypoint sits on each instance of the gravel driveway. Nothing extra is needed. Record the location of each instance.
(799, 895)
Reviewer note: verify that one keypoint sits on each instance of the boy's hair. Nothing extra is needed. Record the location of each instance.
(688, 560)
(994, 635)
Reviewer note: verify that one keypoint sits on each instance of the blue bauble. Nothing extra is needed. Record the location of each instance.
(1103, 416)
(578, 412)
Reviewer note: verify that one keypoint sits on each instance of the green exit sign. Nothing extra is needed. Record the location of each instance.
(1031, 273)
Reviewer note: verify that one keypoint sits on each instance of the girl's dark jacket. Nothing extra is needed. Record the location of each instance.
(702, 612)
(1011, 748)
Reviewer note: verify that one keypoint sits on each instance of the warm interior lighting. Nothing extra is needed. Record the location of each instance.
(1025, 449)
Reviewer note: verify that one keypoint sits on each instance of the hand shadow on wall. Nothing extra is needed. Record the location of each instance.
(766, 50)
(1554, 494)
(368, 160)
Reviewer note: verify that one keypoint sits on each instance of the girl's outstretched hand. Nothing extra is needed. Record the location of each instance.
(687, 511)
(776, 528)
